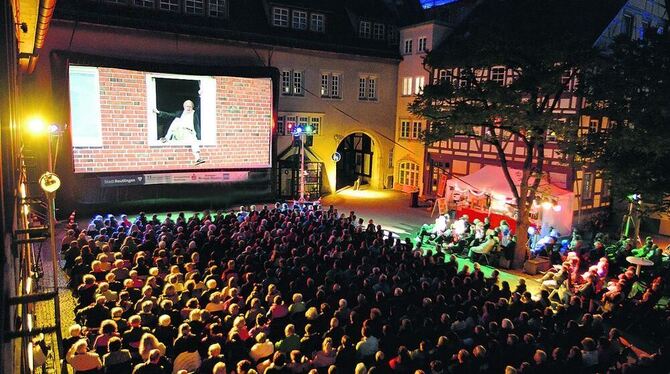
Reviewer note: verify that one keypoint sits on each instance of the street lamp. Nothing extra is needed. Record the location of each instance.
(50, 183)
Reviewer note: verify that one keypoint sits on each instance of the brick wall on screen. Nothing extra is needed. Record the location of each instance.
(243, 131)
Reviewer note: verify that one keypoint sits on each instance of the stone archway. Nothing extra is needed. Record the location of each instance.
(357, 162)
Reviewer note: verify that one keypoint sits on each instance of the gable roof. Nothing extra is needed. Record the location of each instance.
(249, 21)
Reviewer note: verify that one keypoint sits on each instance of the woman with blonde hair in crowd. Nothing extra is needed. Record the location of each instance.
(326, 356)
(149, 342)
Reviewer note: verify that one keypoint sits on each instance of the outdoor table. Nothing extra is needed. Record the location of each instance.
(639, 262)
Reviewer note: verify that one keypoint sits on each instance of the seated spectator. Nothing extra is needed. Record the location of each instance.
(117, 360)
(81, 360)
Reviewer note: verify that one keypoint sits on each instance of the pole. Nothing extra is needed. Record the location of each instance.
(51, 197)
(302, 168)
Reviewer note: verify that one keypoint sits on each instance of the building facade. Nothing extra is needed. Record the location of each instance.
(337, 64)
(462, 155)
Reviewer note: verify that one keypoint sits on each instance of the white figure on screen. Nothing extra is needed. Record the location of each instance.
(184, 128)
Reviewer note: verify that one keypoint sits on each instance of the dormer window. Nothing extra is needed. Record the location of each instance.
(279, 17)
(194, 7)
(217, 8)
(299, 21)
(365, 29)
(317, 22)
(378, 31)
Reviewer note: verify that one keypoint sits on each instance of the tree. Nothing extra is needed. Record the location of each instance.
(631, 86)
(545, 44)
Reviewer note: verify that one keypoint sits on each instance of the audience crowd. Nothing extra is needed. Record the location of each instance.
(279, 290)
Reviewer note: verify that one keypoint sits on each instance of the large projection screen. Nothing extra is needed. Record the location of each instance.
(137, 121)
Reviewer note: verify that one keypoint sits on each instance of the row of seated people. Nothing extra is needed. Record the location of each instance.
(473, 240)
(303, 291)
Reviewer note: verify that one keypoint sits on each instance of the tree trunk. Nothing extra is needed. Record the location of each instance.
(522, 224)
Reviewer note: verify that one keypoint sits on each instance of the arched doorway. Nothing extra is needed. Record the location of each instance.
(356, 162)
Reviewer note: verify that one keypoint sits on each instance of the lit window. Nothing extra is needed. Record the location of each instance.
(194, 6)
(419, 82)
(280, 17)
(408, 174)
(299, 20)
(498, 75)
(378, 31)
(444, 76)
(218, 8)
(407, 47)
(365, 29)
(421, 44)
(407, 86)
(318, 22)
(594, 124)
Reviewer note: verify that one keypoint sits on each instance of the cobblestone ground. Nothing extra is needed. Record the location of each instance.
(46, 311)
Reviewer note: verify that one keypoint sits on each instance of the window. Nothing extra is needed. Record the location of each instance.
(627, 25)
(318, 22)
(604, 190)
(287, 121)
(408, 174)
(407, 49)
(297, 83)
(279, 17)
(144, 3)
(330, 85)
(587, 186)
(418, 85)
(498, 75)
(410, 129)
(364, 29)
(194, 6)
(392, 35)
(416, 130)
(421, 44)
(594, 126)
(404, 129)
(85, 107)
(315, 122)
(169, 5)
(378, 31)
(367, 88)
(299, 20)
(407, 86)
(444, 76)
(291, 83)
(217, 8)
(281, 129)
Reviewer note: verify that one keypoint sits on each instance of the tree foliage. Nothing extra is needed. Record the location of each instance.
(631, 86)
(541, 42)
